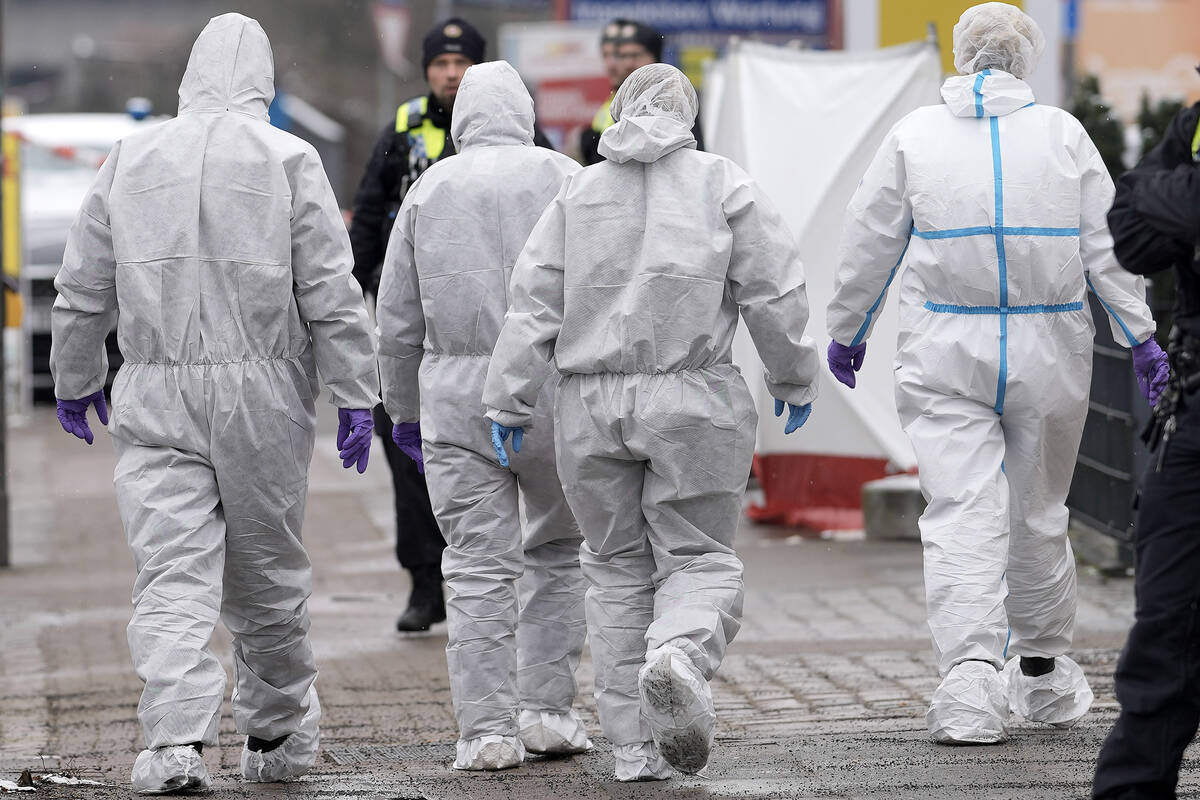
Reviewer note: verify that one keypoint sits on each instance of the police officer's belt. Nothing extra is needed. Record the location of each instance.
(1183, 350)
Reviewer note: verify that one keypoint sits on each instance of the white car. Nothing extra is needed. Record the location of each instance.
(60, 155)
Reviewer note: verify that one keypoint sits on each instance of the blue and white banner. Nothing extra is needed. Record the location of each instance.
(809, 17)
(506, 4)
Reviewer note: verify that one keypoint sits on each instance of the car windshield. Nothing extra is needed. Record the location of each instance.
(37, 158)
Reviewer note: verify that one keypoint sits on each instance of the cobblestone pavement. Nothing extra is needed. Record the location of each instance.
(823, 693)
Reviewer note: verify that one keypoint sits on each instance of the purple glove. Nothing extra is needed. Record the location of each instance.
(845, 361)
(354, 437)
(72, 415)
(407, 436)
(1152, 370)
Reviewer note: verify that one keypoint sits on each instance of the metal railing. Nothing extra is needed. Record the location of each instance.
(1111, 456)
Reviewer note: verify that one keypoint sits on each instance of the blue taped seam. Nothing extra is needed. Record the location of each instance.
(954, 233)
(1002, 380)
(1039, 308)
(997, 174)
(862, 331)
(1133, 342)
(998, 181)
(1039, 231)
(979, 92)
(991, 230)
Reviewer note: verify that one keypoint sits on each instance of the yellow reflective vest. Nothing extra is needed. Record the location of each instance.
(603, 119)
(425, 139)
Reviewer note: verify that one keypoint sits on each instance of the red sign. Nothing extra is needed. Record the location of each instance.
(571, 102)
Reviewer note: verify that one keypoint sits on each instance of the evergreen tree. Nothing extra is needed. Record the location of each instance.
(1089, 108)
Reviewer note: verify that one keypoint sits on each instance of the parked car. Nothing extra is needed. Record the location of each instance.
(60, 155)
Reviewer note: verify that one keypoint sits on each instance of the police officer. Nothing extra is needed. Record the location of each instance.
(416, 138)
(625, 45)
(1155, 223)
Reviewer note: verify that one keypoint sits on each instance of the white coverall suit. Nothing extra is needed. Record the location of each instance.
(218, 239)
(996, 207)
(442, 300)
(631, 283)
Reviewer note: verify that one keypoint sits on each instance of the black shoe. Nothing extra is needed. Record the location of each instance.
(257, 745)
(426, 604)
(416, 619)
(1033, 666)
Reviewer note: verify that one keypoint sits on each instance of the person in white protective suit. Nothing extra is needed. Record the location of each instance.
(631, 285)
(442, 299)
(218, 240)
(995, 208)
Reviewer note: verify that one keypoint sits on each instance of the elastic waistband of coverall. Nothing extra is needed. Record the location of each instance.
(215, 362)
(719, 367)
(1035, 308)
(443, 354)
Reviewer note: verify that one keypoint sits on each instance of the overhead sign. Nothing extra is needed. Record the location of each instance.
(551, 50)
(519, 4)
(810, 17)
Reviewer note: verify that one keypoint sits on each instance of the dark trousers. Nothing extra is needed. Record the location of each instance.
(1158, 675)
(419, 541)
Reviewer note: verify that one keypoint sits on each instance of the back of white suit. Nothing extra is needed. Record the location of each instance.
(218, 239)
(631, 284)
(442, 301)
(991, 210)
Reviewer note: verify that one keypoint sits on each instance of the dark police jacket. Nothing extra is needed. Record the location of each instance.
(419, 137)
(1155, 218)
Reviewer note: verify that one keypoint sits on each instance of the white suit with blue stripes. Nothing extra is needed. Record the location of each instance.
(995, 209)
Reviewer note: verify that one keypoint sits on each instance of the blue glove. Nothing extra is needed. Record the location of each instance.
(72, 415)
(1152, 370)
(797, 415)
(354, 437)
(407, 436)
(845, 361)
(500, 435)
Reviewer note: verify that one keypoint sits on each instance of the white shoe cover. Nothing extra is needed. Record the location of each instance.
(491, 752)
(170, 769)
(545, 732)
(295, 757)
(640, 762)
(1060, 697)
(678, 706)
(970, 706)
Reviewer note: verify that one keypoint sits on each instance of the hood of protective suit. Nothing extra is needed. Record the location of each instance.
(654, 109)
(986, 94)
(999, 36)
(492, 107)
(230, 69)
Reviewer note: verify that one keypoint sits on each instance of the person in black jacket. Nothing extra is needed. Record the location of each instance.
(625, 45)
(418, 137)
(1155, 223)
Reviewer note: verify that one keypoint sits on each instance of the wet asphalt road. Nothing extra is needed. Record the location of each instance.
(822, 696)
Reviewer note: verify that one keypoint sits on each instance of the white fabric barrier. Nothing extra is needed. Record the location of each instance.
(805, 124)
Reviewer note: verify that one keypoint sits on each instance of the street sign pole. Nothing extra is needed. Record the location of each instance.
(1070, 33)
(5, 555)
